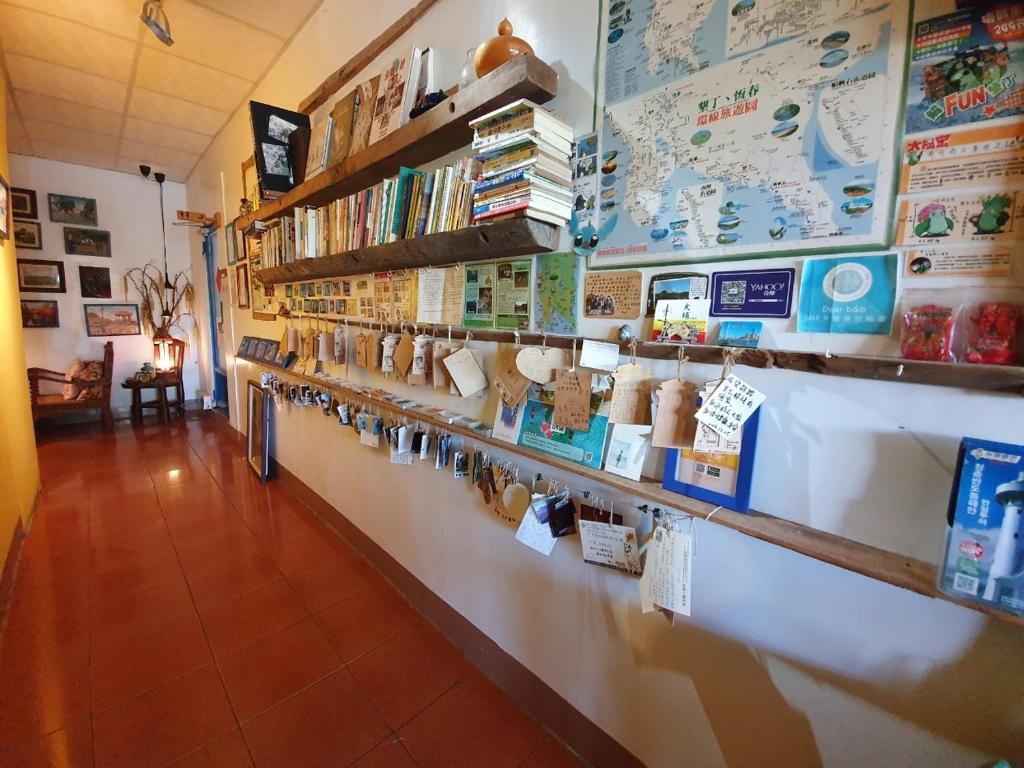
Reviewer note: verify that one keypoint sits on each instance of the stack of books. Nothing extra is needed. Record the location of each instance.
(524, 155)
(411, 204)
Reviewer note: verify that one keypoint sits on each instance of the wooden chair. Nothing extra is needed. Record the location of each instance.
(45, 406)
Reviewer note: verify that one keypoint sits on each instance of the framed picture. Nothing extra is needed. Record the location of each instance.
(24, 204)
(243, 348)
(253, 246)
(68, 209)
(38, 276)
(112, 320)
(675, 285)
(28, 234)
(5, 209)
(86, 242)
(257, 445)
(231, 243)
(39, 314)
(242, 285)
(720, 477)
(94, 282)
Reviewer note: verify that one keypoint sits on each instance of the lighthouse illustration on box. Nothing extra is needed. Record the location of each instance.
(984, 559)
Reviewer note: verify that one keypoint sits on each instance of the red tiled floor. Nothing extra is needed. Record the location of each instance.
(473, 724)
(360, 623)
(277, 666)
(153, 552)
(330, 723)
(408, 672)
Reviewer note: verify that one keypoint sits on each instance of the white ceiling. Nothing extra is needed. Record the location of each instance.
(90, 84)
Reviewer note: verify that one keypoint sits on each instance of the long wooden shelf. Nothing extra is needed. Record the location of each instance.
(504, 239)
(1006, 379)
(890, 567)
(433, 134)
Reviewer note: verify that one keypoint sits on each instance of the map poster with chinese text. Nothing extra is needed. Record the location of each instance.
(738, 129)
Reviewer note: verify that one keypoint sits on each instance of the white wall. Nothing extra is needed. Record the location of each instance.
(786, 661)
(128, 207)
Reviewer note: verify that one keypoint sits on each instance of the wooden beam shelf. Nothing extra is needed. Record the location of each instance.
(890, 567)
(502, 240)
(1006, 379)
(433, 134)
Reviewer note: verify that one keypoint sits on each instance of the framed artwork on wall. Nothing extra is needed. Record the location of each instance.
(86, 242)
(257, 442)
(112, 320)
(242, 285)
(24, 204)
(69, 209)
(94, 282)
(39, 276)
(28, 234)
(5, 209)
(39, 314)
(231, 243)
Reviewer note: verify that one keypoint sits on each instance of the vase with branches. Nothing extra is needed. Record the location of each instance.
(163, 302)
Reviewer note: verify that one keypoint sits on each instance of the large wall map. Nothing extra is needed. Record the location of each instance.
(737, 128)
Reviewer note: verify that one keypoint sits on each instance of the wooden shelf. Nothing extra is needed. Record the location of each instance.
(504, 239)
(433, 134)
(890, 567)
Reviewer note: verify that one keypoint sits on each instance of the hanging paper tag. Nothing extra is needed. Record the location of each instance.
(387, 364)
(362, 350)
(368, 438)
(419, 370)
(536, 535)
(670, 580)
(733, 402)
(572, 400)
(325, 347)
(675, 426)
(438, 371)
(627, 450)
(631, 398)
(340, 345)
(404, 353)
(599, 355)
(614, 546)
(425, 447)
(465, 372)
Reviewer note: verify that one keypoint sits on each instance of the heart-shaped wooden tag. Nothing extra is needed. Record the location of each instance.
(516, 500)
(540, 365)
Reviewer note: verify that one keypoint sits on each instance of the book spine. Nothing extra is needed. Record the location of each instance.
(511, 204)
(499, 181)
(521, 206)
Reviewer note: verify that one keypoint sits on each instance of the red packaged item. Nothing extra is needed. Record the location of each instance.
(928, 333)
(993, 337)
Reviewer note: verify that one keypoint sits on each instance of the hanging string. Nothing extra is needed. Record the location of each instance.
(632, 351)
(728, 363)
(679, 364)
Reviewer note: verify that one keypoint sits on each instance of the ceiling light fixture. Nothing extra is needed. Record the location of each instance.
(153, 16)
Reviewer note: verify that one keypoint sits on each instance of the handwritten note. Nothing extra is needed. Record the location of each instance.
(440, 296)
(535, 534)
(572, 400)
(631, 398)
(614, 546)
(599, 355)
(666, 582)
(733, 402)
(509, 381)
(613, 294)
(465, 372)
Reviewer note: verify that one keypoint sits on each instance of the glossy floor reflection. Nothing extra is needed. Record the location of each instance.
(170, 610)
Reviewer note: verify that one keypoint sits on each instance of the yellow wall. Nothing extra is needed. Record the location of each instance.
(19, 468)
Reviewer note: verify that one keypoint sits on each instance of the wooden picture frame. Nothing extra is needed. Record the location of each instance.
(112, 320)
(41, 276)
(668, 277)
(231, 242)
(242, 285)
(79, 241)
(257, 443)
(39, 314)
(24, 204)
(737, 497)
(28, 235)
(5, 209)
(71, 209)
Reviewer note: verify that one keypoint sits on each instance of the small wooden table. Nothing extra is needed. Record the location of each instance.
(160, 403)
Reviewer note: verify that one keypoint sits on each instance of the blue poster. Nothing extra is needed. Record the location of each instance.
(573, 445)
(853, 294)
(754, 293)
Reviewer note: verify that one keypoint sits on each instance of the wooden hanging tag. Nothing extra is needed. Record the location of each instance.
(362, 350)
(675, 425)
(540, 365)
(465, 372)
(572, 400)
(510, 383)
(631, 398)
(404, 351)
(439, 372)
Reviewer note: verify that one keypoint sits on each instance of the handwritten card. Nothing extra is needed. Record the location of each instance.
(613, 295)
(510, 383)
(675, 425)
(599, 355)
(465, 372)
(572, 400)
(614, 546)
(631, 398)
(671, 572)
(440, 296)
(733, 402)
(536, 535)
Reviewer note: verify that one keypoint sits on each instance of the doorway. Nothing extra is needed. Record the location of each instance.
(215, 285)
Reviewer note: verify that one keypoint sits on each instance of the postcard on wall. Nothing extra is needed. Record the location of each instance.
(681, 320)
(508, 421)
(584, 181)
(540, 433)
(556, 297)
(853, 294)
(613, 295)
(478, 305)
(987, 155)
(740, 333)
(970, 261)
(441, 294)
(627, 449)
(961, 219)
(608, 543)
(752, 293)
(512, 302)
(675, 286)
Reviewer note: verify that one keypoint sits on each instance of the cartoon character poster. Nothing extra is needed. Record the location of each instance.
(993, 217)
(539, 433)
(966, 65)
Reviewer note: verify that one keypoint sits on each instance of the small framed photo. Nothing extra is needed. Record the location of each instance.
(675, 285)
(5, 209)
(24, 204)
(231, 243)
(112, 320)
(39, 276)
(86, 242)
(257, 444)
(242, 285)
(717, 474)
(94, 282)
(28, 235)
(39, 314)
(69, 209)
